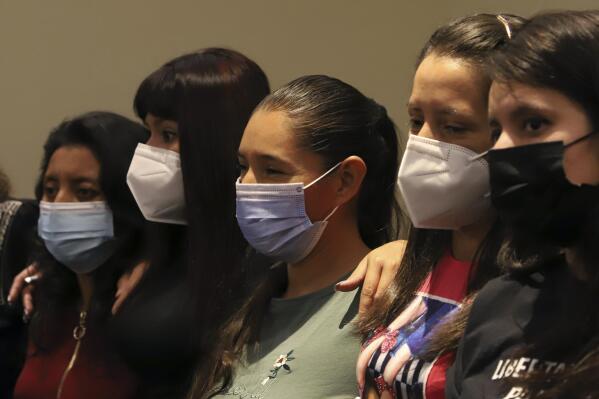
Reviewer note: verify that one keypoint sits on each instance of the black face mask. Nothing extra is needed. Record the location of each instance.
(532, 195)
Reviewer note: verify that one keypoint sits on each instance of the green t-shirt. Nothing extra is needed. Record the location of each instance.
(310, 339)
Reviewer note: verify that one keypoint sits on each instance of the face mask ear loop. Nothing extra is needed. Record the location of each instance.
(331, 214)
(479, 156)
(578, 140)
(323, 176)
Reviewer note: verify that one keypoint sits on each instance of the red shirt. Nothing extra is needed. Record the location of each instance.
(96, 374)
(390, 356)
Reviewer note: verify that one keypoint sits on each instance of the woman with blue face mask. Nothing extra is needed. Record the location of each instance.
(318, 165)
(183, 180)
(92, 233)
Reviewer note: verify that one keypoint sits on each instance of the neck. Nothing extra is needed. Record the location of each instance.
(86, 287)
(338, 252)
(466, 241)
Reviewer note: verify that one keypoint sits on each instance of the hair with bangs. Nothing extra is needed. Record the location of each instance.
(211, 94)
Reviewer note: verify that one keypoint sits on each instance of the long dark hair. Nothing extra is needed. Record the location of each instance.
(112, 139)
(471, 39)
(334, 120)
(211, 94)
(560, 51)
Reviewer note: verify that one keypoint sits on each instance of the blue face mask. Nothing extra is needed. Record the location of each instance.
(78, 234)
(273, 219)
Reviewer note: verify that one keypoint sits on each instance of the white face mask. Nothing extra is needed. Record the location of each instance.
(444, 186)
(156, 182)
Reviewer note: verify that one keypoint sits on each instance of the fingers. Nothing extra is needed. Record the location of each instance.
(371, 282)
(127, 283)
(381, 272)
(355, 279)
(389, 271)
(20, 281)
(27, 298)
(117, 303)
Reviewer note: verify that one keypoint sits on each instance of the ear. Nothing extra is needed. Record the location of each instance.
(351, 174)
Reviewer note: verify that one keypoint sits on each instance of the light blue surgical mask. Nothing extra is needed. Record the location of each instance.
(80, 235)
(273, 219)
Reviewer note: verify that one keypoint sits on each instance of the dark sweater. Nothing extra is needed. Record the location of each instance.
(17, 239)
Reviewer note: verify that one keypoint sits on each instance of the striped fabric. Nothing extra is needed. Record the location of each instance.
(389, 357)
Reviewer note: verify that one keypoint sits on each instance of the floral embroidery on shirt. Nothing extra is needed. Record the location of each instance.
(280, 363)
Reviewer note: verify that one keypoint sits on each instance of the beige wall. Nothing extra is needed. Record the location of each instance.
(59, 58)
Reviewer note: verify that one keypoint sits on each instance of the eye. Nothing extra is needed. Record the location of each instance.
(241, 168)
(168, 136)
(415, 125)
(273, 172)
(535, 124)
(86, 194)
(50, 191)
(495, 131)
(453, 129)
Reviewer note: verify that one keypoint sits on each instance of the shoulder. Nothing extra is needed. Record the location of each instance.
(496, 289)
(18, 215)
(18, 221)
(501, 292)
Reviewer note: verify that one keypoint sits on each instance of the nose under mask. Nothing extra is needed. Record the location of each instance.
(156, 182)
(444, 186)
(80, 235)
(273, 219)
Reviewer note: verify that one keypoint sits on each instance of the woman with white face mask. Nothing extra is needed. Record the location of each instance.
(183, 179)
(534, 333)
(92, 232)
(444, 184)
(318, 165)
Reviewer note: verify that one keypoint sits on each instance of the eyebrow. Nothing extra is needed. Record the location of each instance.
(50, 178)
(443, 110)
(523, 110)
(268, 158)
(77, 180)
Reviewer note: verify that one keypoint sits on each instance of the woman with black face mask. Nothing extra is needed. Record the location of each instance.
(534, 332)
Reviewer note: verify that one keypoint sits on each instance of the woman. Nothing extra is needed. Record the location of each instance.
(533, 333)
(444, 184)
(92, 233)
(183, 180)
(168, 308)
(17, 236)
(318, 162)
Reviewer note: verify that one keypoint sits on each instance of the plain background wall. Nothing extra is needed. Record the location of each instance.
(63, 57)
